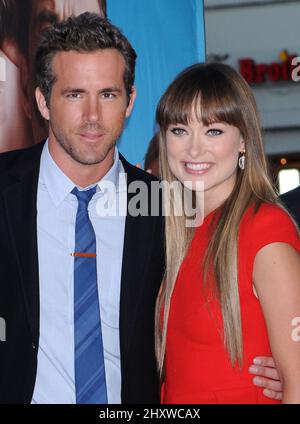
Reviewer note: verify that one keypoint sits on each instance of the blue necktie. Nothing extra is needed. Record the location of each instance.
(90, 380)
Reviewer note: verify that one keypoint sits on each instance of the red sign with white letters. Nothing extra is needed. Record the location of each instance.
(258, 73)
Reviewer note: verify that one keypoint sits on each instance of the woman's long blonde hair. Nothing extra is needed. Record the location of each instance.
(221, 95)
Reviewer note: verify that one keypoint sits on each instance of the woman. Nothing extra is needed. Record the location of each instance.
(232, 285)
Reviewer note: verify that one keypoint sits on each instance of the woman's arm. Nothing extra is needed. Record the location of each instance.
(276, 277)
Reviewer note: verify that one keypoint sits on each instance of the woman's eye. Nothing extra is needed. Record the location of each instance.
(214, 131)
(178, 131)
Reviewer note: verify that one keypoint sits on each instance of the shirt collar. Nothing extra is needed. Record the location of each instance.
(59, 185)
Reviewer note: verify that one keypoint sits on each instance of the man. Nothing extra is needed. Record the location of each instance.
(45, 13)
(85, 76)
(291, 200)
(21, 25)
(86, 94)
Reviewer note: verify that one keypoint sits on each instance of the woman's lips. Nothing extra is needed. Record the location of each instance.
(197, 167)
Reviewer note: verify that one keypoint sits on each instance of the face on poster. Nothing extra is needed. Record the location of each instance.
(15, 127)
(45, 13)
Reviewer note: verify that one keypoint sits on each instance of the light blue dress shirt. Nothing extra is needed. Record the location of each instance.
(56, 216)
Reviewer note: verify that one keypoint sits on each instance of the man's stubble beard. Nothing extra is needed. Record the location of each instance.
(80, 157)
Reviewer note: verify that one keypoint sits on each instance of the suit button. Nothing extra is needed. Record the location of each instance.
(33, 346)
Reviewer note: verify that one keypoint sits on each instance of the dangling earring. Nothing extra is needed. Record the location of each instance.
(242, 160)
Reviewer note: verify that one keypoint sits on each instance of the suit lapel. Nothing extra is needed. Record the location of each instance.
(137, 244)
(20, 197)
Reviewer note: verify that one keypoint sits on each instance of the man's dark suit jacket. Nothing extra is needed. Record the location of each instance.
(291, 201)
(142, 272)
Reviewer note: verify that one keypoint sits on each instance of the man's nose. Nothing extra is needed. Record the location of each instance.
(93, 110)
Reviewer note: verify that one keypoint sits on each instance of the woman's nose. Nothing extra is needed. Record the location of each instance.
(196, 146)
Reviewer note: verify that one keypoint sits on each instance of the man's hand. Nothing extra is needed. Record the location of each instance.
(266, 376)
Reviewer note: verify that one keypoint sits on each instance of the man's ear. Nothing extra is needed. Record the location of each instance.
(41, 103)
(131, 102)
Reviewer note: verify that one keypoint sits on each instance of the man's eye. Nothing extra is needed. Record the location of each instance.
(214, 131)
(73, 96)
(108, 95)
(178, 131)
